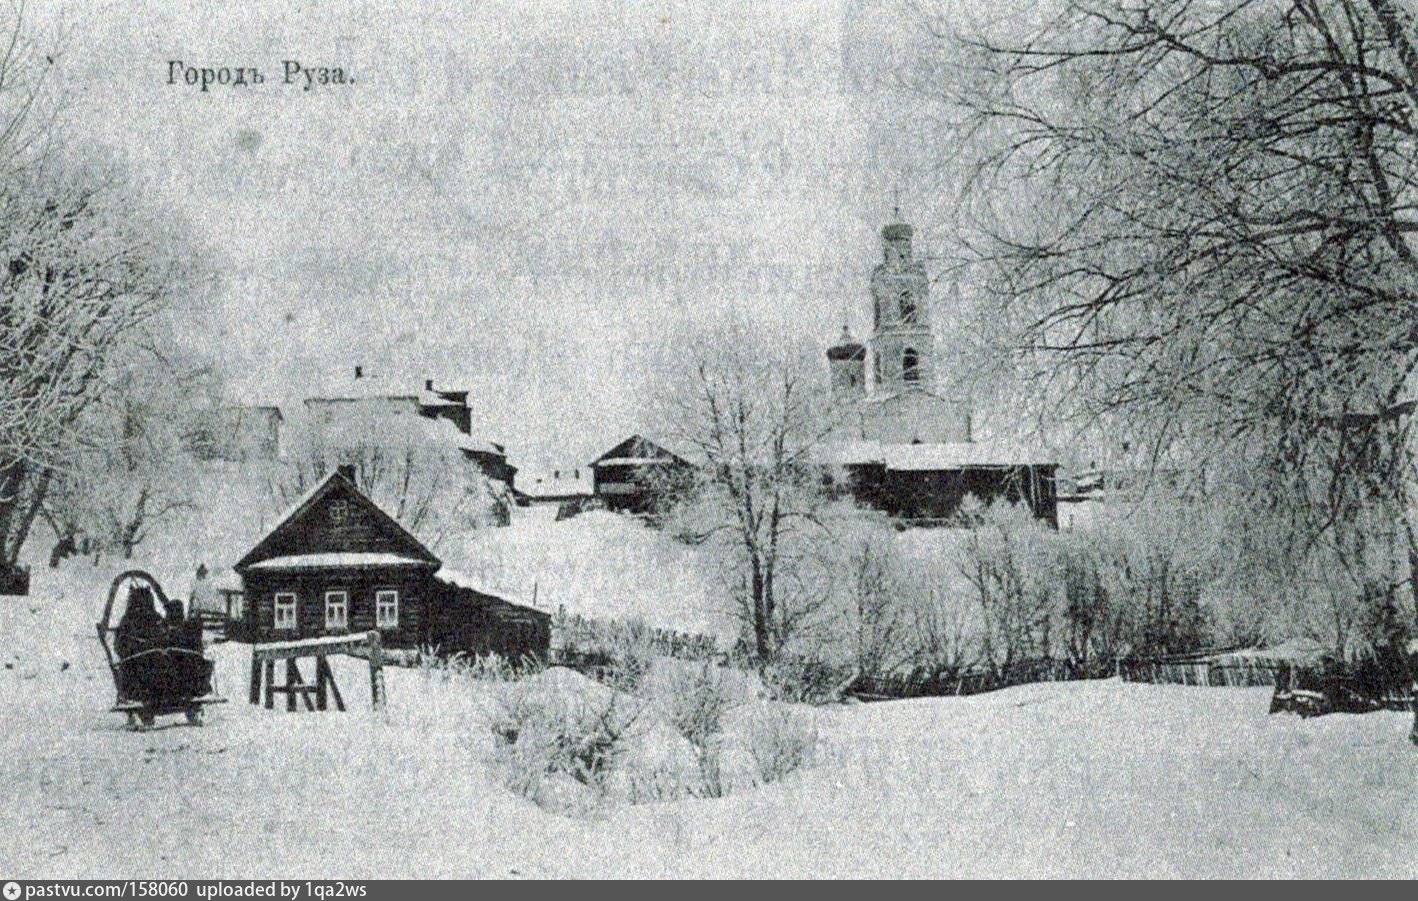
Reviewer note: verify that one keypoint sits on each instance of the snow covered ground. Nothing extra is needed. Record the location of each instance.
(597, 564)
(1073, 779)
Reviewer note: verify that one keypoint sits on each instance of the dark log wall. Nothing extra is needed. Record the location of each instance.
(474, 623)
(415, 585)
(937, 495)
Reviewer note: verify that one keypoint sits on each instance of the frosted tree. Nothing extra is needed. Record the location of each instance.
(1220, 244)
(130, 470)
(751, 414)
(85, 267)
(412, 467)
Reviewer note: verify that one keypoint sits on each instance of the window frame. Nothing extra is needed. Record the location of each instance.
(910, 365)
(906, 306)
(277, 604)
(339, 512)
(379, 618)
(344, 605)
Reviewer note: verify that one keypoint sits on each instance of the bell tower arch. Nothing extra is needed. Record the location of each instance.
(901, 346)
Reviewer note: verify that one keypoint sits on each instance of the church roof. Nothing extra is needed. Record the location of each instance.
(929, 457)
(847, 348)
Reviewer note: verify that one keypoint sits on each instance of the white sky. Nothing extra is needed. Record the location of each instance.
(518, 199)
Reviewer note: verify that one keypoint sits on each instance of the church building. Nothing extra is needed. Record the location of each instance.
(900, 446)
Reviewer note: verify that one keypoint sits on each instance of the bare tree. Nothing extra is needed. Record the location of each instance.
(411, 466)
(753, 416)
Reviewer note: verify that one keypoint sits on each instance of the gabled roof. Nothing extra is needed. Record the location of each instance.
(638, 450)
(278, 542)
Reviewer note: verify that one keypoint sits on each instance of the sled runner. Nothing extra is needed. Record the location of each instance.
(155, 654)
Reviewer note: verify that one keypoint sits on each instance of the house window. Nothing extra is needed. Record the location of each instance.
(386, 609)
(339, 512)
(337, 609)
(910, 366)
(284, 616)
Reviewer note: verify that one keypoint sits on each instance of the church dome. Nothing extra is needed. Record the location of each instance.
(847, 348)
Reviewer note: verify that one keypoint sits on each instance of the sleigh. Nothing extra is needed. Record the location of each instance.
(160, 672)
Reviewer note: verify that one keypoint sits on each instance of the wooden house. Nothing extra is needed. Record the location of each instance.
(337, 563)
(636, 474)
(928, 483)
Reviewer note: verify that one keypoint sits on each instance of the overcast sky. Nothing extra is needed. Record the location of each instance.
(515, 198)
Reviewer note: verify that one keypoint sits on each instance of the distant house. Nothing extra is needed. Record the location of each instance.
(635, 475)
(370, 399)
(569, 491)
(235, 434)
(337, 563)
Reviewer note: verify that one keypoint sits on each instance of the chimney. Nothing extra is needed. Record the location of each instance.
(428, 384)
(348, 471)
(359, 372)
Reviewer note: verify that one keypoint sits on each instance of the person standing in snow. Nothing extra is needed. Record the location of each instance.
(141, 639)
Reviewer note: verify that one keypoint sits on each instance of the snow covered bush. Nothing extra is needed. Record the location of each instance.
(781, 739)
(694, 698)
(560, 736)
(490, 667)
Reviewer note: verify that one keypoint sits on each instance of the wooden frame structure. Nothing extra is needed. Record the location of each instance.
(317, 694)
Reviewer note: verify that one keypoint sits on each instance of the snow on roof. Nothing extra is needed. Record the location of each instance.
(557, 482)
(463, 580)
(390, 425)
(956, 455)
(337, 559)
(927, 457)
(636, 461)
(641, 439)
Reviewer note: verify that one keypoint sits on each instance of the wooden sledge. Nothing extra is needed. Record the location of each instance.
(143, 713)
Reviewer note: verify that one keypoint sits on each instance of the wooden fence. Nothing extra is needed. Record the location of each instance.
(579, 638)
(1201, 669)
(974, 679)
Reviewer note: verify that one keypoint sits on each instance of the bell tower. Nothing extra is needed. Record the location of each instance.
(902, 349)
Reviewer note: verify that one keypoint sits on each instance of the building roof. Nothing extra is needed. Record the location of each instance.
(289, 530)
(638, 450)
(928, 457)
(371, 424)
(337, 559)
(468, 583)
(847, 348)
